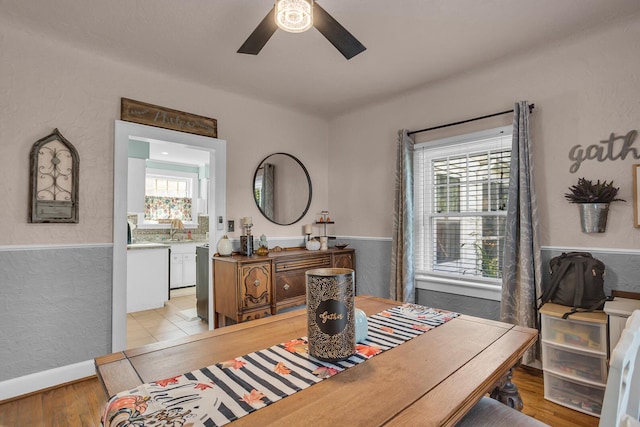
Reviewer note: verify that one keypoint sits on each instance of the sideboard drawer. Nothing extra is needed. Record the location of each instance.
(344, 260)
(255, 314)
(290, 285)
(304, 264)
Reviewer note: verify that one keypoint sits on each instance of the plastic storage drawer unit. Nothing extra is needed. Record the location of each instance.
(573, 394)
(574, 333)
(574, 358)
(578, 364)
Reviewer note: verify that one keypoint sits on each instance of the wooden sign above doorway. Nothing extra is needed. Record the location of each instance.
(154, 115)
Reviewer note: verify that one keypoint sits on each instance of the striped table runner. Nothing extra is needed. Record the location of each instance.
(226, 391)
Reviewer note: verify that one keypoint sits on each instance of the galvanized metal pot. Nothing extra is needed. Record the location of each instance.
(593, 217)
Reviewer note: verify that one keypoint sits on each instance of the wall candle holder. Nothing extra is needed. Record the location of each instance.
(246, 241)
(246, 245)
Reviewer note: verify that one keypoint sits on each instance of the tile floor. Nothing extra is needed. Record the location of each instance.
(161, 324)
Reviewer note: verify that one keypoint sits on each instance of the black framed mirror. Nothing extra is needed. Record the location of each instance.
(282, 188)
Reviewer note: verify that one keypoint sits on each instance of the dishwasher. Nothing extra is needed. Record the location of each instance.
(202, 281)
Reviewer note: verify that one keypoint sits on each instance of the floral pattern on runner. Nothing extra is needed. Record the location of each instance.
(221, 393)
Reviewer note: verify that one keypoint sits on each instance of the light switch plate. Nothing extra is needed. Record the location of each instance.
(220, 223)
(231, 226)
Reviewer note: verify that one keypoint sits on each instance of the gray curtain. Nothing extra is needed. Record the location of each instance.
(268, 197)
(402, 286)
(522, 270)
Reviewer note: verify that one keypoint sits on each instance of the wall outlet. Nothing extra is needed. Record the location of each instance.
(231, 226)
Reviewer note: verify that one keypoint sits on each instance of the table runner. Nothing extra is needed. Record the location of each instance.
(223, 392)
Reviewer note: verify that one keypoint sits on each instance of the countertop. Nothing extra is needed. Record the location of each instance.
(163, 244)
(148, 245)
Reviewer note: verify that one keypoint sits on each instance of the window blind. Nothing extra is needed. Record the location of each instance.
(461, 190)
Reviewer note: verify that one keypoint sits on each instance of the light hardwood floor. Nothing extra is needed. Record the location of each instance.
(531, 387)
(81, 404)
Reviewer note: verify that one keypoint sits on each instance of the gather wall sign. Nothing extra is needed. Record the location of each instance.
(614, 148)
(154, 115)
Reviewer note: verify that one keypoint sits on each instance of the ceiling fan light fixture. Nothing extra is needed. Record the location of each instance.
(294, 16)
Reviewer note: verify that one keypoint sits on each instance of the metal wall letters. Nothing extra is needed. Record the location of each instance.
(606, 150)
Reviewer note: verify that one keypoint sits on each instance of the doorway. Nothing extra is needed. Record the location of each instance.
(216, 209)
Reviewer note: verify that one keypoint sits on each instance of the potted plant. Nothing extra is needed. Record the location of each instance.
(594, 202)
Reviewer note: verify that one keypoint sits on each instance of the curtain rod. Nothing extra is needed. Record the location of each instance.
(531, 106)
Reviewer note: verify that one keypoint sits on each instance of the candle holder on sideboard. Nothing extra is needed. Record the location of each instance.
(246, 245)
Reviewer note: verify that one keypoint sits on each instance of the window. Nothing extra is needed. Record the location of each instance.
(461, 188)
(168, 197)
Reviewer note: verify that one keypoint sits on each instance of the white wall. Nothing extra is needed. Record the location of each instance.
(584, 89)
(46, 85)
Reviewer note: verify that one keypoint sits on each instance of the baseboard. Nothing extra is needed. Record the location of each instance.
(533, 370)
(45, 379)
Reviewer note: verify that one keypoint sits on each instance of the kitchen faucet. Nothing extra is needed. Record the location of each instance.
(176, 224)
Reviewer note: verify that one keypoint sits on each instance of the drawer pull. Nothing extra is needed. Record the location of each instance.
(286, 287)
(256, 283)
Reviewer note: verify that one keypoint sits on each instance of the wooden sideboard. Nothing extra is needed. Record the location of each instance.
(248, 288)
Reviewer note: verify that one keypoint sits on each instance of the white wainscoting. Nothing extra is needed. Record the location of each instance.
(40, 380)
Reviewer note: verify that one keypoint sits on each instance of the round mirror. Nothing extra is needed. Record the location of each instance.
(282, 189)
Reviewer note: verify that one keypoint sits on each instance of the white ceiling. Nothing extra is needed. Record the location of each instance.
(410, 43)
(173, 152)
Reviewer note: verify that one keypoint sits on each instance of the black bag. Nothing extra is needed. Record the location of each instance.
(577, 281)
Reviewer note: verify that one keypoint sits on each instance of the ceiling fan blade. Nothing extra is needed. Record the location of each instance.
(342, 39)
(261, 35)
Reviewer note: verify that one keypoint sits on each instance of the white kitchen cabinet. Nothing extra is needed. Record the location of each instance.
(189, 268)
(183, 265)
(147, 278)
(619, 311)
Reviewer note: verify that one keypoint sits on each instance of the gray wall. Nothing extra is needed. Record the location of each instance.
(488, 309)
(55, 303)
(372, 265)
(622, 272)
(55, 307)
(622, 269)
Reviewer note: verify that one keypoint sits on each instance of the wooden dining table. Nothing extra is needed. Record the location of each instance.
(431, 380)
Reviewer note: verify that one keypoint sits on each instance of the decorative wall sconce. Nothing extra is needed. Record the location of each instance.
(55, 166)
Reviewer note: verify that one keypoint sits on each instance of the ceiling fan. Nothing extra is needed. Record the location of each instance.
(298, 16)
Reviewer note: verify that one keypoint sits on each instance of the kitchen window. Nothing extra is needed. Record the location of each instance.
(170, 195)
(461, 188)
(167, 198)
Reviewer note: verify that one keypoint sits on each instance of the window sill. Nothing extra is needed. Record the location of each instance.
(475, 289)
